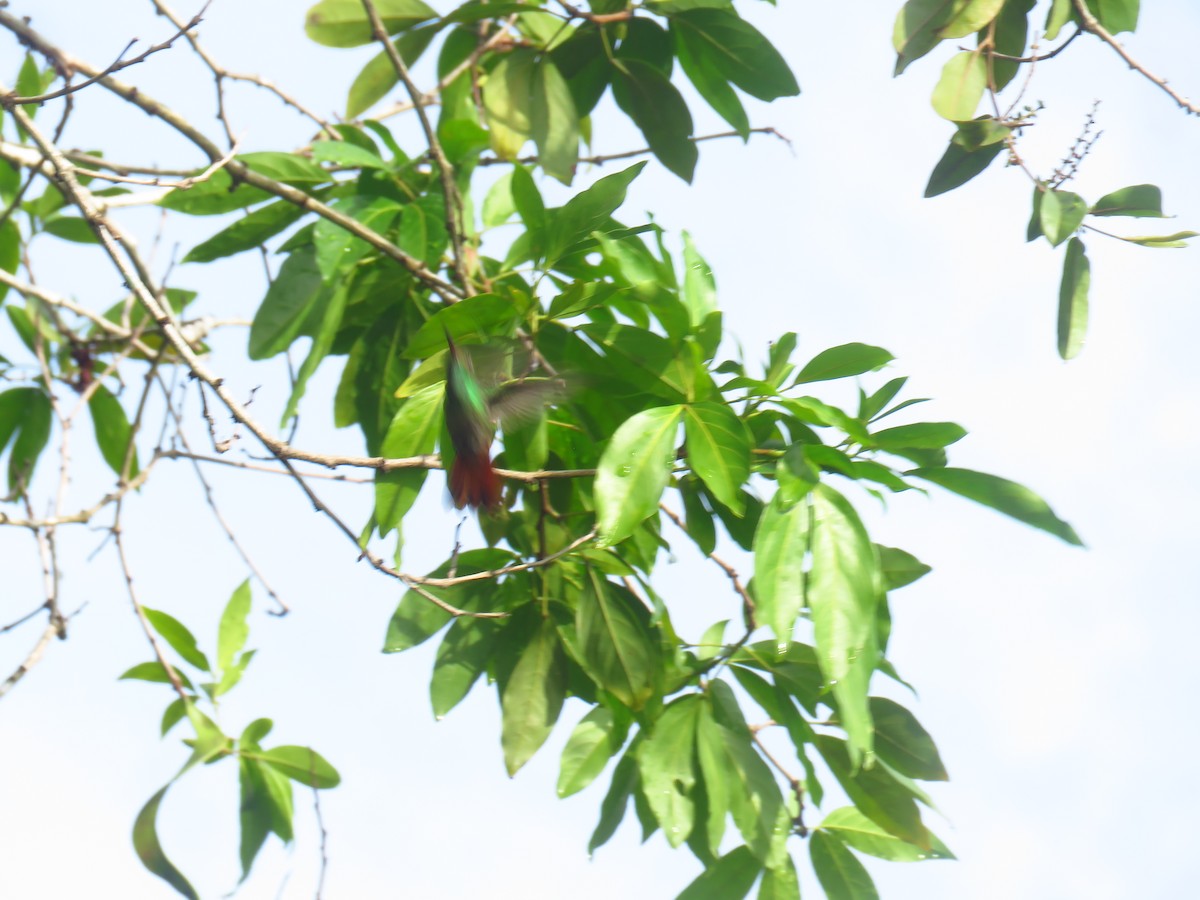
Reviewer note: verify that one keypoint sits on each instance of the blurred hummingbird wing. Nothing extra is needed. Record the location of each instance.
(519, 401)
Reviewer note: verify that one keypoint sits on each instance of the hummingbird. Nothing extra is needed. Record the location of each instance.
(472, 413)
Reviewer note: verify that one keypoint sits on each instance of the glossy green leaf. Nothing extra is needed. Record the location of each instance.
(851, 827)
(633, 471)
(150, 851)
(876, 793)
(70, 228)
(378, 76)
(344, 23)
(843, 596)
(288, 304)
(1062, 213)
(1138, 201)
(616, 645)
(1116, 15)
(960, 88)
(413, 432)
(958, 166)
(177, 635)
(595, 740)
(10, 246)
(616, 801)
(415, 620)
(248, 233)
(780, 883)
(233, 630)
(214, 196)
(1060, 12)
(981, 132)
(780, 548)
(303, 765)
(1003, 495)
(842, 362)
(922, 435)
(533, 697)
(738, 51)
(730, 878)
(155, 673)
(969, 16)
(899, 568)
(584, 213)
(554, 122)
(695, 58)
(508, 103)
(461, 658)
(344, 153)
(472, 320)
(917, 29)
(1178, 239)
(1073, 300)
(667, 763)
(254, 813)
(841, 875)
(647, 96)
(112, 431)
(903, 744)
(718, 450)
(25, 419)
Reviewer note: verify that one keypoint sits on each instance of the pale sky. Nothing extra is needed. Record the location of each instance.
(1056, 681)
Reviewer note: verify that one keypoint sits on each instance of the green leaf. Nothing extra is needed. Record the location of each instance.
(233, 630)
(25, 413)
(247, 233)
(633, 471)
(718, 450)
(303, 765)
(695, 58)
(852, 827)
(378, 76)
(1138, 201)
(344, 23)
(1062, 213)
(1116, 15)
(1060, 12)
(215, 196)
(903, 744)
(876, 793)
(10, 247)
(719, 38)
(1073, 300)
(71, 228)
(780, 883)
(958, 166)
(699, 287)
(1159, 241)
(1003, 495)
(322, 343)
(981, 132)
(616, 801)
(344, 153)
(472, 320)
(413, 432)
(922, 436)
(155, 673)
(960, 88)
(177, 635)
(844, 589)
(918, 29)
(667, 763)
(595, 740)
(584, 213)
(415, 620)
(254, 814)
(554, 122)
(842, 362)
(287, 306)
(745, 785)
(647, 96)
(899, 568)
(616, 645)
(730, 878)
(780, 548)
(150, 851)
(461, 658)
(508, 103)
(113, 432)
(533, 697)
(969, 16)
(841, 875)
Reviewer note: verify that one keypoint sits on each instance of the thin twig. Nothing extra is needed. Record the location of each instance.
(1092, 24)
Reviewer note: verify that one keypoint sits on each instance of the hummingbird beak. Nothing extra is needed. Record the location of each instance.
(450, 345)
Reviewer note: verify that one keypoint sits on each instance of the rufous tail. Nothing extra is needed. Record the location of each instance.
(474, 483)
